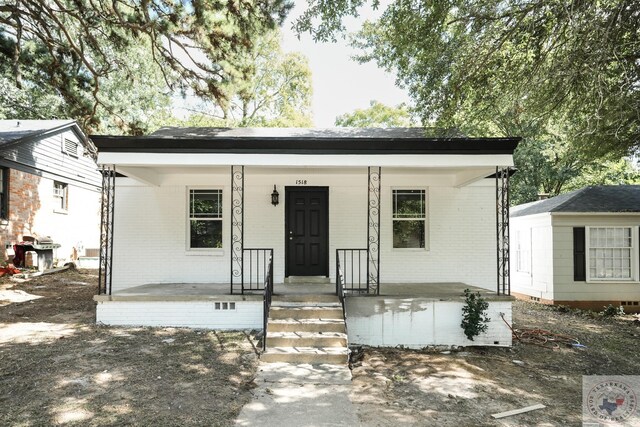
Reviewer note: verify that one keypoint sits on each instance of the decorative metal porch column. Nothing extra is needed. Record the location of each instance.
(373, 231)
(106, 228)
(237, 229)
(502, 230)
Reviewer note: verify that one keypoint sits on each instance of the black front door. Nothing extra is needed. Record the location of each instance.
(307, 231)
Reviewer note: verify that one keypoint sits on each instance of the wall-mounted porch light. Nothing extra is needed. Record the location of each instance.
(275, 197)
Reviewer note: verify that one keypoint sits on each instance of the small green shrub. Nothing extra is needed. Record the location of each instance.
(612, 311)
(474, 314)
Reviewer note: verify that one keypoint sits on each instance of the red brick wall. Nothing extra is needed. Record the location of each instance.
(24, 203)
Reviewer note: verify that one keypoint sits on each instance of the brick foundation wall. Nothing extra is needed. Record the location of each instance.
(597, 305)
(24, 203)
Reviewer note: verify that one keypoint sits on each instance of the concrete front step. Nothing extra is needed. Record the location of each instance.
(294, 304)
(305, 312)
(307, 279)
(306, 339)
(311, 355)
(305, 325)
(306, 298)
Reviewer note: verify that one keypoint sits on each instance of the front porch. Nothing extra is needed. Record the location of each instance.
(400, 222)
(413, 315)
(222, 291)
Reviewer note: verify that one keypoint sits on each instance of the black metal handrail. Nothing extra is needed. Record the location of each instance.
(268, 293)
(256, 265)
(340, 292)
(354, 269)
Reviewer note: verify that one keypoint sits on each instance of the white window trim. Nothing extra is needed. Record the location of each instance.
(427, 216)
(634, 255)
(64, 197)
(520, 242)
(187, 231)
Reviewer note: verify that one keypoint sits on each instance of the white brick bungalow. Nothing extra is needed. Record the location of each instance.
(413, 220)
(579, 249)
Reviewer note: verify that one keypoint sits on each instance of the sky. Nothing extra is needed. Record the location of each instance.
(340, 84)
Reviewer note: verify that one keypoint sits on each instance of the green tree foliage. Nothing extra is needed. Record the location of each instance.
(564, 75)
(274, 91)
(27, 104)
(73, 46)
(545, 58)
(133, 94)
(377, 115)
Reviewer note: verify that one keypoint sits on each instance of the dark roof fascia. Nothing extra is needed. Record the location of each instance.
(302, 145)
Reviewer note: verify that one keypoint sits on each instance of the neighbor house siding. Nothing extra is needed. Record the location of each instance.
(538, 282)
(46, 155)
(151, 225)
(565, 288)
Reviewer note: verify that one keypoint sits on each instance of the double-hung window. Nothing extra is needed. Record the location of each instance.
(205, 219)
(523, 251)
(610, 253)
(409, 218)
(60, 196)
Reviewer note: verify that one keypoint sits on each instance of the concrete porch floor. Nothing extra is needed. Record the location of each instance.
(222, 292)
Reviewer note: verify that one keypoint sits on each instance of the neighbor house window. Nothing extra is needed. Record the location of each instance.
(70, 147)
(523, 251)
(60, 196)
(205, 219)
(409, 218)
(4, 193)
(610, 253)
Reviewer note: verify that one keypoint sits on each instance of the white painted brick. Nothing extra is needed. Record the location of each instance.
(151, 225)
(192, 314)
(421, 322)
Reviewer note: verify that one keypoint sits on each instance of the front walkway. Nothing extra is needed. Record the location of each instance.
(300, 395)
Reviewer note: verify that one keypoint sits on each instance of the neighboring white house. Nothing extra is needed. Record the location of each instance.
(50, 187)
(579, 249)
(394, 206)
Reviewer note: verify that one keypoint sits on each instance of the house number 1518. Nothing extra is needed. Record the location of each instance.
(301, 182)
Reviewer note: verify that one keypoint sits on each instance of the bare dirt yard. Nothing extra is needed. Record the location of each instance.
(57, 367)
(463, 388)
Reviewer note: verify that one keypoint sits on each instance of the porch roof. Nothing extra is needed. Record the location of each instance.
(145, 158)
(304, 141)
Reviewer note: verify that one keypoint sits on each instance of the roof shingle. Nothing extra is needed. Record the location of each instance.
(600, 198)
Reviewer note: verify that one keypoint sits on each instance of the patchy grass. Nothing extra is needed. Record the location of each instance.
(58, 368)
